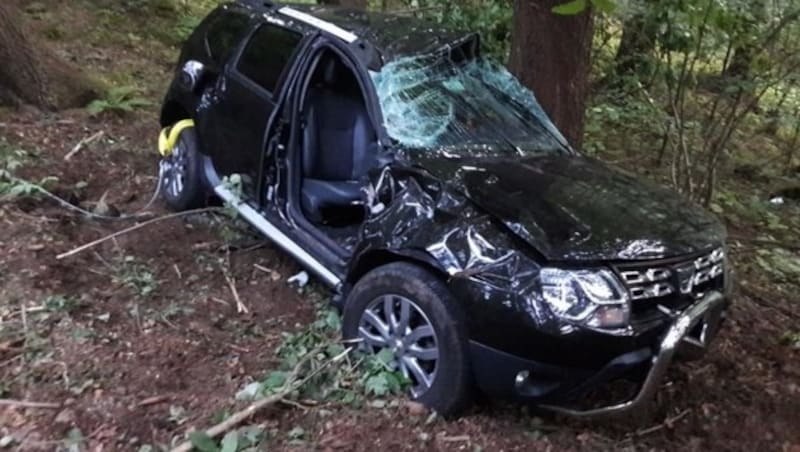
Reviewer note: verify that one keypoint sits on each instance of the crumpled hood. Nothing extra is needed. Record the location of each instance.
(571, 207)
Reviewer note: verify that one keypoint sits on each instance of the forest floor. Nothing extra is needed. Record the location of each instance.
(138, 341)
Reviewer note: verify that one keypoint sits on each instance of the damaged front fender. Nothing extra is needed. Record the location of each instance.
(416, 217)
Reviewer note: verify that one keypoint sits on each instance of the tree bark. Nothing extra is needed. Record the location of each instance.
(355, 4)
(31, 74)
(551, 54)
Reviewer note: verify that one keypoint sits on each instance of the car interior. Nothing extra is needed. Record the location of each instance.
(339, 147)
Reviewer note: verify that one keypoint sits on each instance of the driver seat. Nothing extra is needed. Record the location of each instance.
(339, 142)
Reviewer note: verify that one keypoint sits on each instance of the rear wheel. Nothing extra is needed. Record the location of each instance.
(409, 311)
(182, 183)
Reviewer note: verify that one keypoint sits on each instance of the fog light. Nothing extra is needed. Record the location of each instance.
(609, 317)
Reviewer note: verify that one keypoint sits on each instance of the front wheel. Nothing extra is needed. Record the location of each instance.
(182, 183)
(409, 311)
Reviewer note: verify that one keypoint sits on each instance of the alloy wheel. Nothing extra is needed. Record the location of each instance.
(398, 324)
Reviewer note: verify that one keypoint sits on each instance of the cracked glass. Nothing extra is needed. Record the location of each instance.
(437, 101)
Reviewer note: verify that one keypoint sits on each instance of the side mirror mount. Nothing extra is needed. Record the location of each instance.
(192, 75)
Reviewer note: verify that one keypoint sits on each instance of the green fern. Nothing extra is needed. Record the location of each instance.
(121, 99)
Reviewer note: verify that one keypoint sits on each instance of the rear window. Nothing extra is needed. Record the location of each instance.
(267, 54)
(224, 33)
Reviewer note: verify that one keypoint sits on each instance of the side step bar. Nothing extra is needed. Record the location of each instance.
(273, 233)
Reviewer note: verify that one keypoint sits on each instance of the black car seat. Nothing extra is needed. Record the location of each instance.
(339, 142)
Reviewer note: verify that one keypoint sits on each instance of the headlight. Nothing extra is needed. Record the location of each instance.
(594, 298)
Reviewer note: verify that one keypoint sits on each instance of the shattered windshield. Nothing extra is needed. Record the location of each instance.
(434, 102)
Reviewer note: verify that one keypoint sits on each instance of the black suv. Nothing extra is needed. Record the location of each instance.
(457, 227)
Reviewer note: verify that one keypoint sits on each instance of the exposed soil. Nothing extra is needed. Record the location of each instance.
(141, 359)
(186, 345)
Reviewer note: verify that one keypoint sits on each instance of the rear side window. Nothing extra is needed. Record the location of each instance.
(267, 54)
(224, 33)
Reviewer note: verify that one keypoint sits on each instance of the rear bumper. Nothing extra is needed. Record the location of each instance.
(553, 387)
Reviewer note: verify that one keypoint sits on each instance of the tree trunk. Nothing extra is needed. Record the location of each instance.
(355, 4)
(551, 54)
(31, 74)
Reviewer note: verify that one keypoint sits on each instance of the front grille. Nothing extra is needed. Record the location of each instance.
(670, 285)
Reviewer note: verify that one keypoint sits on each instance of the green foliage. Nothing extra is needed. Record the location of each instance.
(349, 381)
(791, 339)
(782, 265)
(119, 100)
(12, 187)
(185, 26)
(491, 18)
(135, 275)
(60, 303)
(248, 438)
(203, 442)
(379, 379)
(625, 116)
(307, 354)
(578, 6)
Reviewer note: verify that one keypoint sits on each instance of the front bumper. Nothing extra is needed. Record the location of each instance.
(550, 386)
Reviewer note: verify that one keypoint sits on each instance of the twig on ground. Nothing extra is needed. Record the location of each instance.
(291, 402)
(82, 143)
(24, 312)
(292, 384)
(220, 301)
(257, 246)
(271, 273)
(455, 439)
(29, 404)
(12, 359)
(240, 307)
(30, 310)
(135, 228)
(153, 400)
(238, 348)
(668, 422)
(262, 268)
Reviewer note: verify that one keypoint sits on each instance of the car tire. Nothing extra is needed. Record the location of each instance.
(183, 185)
(414, 296)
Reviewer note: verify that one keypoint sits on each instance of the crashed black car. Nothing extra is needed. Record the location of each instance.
(425, 185)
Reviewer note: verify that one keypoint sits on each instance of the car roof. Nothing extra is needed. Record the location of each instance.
(392, 35)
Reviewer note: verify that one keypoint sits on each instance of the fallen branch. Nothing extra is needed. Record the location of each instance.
(153, 400)
(292, 385)
(83, 143)
(668, 422)
(135, 228)
(29, 404)
(226, 272)
(241, 308)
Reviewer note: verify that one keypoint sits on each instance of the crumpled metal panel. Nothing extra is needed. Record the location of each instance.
(412, 212)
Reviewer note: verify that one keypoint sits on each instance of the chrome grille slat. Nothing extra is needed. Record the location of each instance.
(655, 280)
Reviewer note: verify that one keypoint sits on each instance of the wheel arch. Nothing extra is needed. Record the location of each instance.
(172, 112)
(375, 258)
